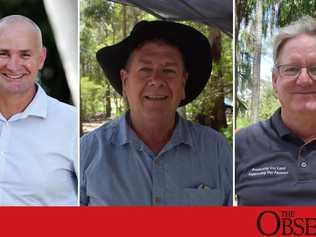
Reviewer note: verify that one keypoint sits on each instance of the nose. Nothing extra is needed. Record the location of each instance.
(157, 79)
(304, 79)
(13, 63)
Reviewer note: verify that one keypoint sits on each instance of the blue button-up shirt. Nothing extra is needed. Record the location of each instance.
(117, 168)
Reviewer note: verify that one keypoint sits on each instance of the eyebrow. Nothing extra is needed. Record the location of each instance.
(25, 51)
(171, 64)
(21, 51)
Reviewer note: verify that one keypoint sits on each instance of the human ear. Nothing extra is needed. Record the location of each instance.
(185, 78)
(275, 76)
(123, 74)
(42, 57)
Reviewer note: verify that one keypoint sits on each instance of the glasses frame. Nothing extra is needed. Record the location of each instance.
(278, 66)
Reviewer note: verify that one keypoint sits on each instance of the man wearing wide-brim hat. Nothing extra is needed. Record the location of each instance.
(150, 155)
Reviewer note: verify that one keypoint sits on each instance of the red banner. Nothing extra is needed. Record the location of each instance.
(114, 221)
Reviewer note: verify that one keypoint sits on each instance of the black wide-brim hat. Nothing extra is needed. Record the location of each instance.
(193, 45)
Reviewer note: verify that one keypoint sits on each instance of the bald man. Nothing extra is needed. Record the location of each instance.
(38, 134)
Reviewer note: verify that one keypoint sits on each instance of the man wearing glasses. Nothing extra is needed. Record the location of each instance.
(276, 158)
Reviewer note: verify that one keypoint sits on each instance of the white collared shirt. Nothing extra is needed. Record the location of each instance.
(38, 154)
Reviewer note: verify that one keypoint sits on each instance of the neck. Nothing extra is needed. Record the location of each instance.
(11, 104)
(301, 124)
(155, 132)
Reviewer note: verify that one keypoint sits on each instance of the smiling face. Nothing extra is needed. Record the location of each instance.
(297, 96)
(21, 57)
(154, 82)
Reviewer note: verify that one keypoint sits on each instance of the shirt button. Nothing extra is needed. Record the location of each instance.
(157, 199)
(303, 164)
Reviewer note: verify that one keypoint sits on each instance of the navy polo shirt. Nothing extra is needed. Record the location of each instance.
(273, 166)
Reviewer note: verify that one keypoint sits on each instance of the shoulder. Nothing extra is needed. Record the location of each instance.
(56, 105)
(204, 133)
(206, 140)
(95, 144)
(58, 108)
(254, 140)
(99, 136)
(61, 118)
(253, 131)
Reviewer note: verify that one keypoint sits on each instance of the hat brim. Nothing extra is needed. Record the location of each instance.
(193, 45)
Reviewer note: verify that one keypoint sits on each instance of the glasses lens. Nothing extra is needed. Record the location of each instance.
(289, 70)
(312, 71)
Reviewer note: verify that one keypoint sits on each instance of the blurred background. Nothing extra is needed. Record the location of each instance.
(105, 23)
(58, 22)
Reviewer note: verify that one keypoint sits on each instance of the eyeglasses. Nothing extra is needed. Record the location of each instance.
(292, 72)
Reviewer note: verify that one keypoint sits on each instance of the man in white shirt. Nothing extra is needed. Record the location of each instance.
(38, 134)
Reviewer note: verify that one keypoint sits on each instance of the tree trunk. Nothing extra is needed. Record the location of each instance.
(218, 115)
(255, 97)
(219, 107)
(236, 56)
(108, 108)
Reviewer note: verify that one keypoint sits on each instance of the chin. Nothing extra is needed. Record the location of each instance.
(157, 113)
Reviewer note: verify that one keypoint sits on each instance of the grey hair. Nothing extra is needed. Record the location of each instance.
(305, 25)
(22, 19)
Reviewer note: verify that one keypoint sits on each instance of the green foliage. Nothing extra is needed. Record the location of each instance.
(102, 23)
(228, 133)
(245, 60)
(292, 10)
(268, 105)
(91, 98)
(242, 121)
(211, 101)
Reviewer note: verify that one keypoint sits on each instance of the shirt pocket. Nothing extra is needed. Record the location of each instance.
(195, 197)
(211, 197)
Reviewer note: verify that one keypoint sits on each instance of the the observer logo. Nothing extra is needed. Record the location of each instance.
(285, 223)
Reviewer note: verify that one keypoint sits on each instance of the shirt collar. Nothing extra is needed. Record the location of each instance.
(282, 130)
(181, 133)
(37, 107)
(278, 124)
(120, 136)
(125, 134)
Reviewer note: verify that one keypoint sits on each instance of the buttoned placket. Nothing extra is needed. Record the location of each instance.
(158, 181)
(303, 162)
(156, 172)
(158, 175)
